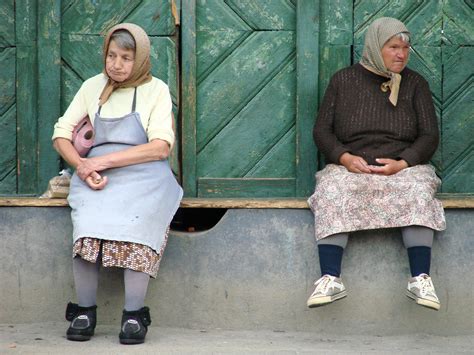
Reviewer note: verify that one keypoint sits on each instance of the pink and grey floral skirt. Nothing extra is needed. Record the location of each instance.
(347, 202)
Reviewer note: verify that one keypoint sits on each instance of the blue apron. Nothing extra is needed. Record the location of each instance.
(138, 202)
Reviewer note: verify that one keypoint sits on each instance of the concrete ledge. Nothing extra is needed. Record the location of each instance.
(253, 270)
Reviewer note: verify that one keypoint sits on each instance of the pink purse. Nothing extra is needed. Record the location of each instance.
(83, 136)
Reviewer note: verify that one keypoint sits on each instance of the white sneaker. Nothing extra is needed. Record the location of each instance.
(421, 289)
(328, 289)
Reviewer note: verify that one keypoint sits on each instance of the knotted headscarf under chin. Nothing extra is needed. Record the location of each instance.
(141, 68)
(378, 33)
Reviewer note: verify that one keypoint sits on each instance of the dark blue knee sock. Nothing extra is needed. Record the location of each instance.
(420, 260)
(330, 259)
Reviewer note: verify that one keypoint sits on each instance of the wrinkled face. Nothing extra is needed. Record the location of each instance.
(119, 62)
(395, 53)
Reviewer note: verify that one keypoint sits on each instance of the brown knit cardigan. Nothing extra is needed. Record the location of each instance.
(357, 117)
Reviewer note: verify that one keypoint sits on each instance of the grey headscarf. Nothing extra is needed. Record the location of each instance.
(378, 33)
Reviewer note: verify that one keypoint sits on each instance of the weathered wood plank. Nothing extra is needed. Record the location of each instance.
(7, 24)
(266, 15)
(458, 124)
(254, 131)
(8, 172)
(245, 187)
(189, 97)
(307, 57)
(229, 88)
(49, 76)
(335, 20)
(458, 24)
(271, 165)
(449, 201)
(97, 17)
(423, 20)
(26, 99)
(156, 17)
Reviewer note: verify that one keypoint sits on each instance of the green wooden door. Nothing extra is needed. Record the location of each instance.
(242, 127)
(19, 146)
(443, 39)
(83, 25)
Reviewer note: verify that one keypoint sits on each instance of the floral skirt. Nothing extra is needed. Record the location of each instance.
(127, 255)
(347, 202)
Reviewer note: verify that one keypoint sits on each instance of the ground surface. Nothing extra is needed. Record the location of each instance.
(50, 338)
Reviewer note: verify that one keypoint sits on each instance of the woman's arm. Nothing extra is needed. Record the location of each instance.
(323, 131)
(427, 141)
(64, 147)
(157, 149)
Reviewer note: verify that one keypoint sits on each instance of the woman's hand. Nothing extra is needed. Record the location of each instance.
(87, 166)
(390, 166)
(95, 181)
(354, 163)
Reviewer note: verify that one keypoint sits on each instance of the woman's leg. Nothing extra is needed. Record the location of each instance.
(330, 250)
(86, 279)
(83, 316)
(135, 317)
(329, 287)
(136, 285)
(418, 240)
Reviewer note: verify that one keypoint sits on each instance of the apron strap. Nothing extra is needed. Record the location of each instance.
(134, 103)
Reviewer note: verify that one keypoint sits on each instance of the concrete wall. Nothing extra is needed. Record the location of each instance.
(254, 270)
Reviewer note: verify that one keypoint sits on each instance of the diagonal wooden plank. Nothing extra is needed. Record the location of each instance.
(231, 86)
(253, 131)
(70, 84)
(7, 78)
(459, 177)
(266, 15)
(215, 15)
(95, 18)
(271, 163)
(214, 47)
(7, 24)
(458, 24)
(422, 18)
(154, 17)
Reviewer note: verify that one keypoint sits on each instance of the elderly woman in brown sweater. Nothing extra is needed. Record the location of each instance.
(377, 129)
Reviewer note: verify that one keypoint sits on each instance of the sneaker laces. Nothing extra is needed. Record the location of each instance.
(322, 285)
(426, 286)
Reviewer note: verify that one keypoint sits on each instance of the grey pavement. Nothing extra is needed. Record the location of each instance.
(49, 338)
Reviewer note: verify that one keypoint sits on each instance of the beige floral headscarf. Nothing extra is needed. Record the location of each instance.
(142, 66)
(378, 33)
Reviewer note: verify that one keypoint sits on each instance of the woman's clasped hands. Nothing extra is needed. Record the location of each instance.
(358, 165)
(87, 170)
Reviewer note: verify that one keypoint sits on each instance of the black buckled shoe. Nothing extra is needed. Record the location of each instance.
(135, 326)
(83, 321)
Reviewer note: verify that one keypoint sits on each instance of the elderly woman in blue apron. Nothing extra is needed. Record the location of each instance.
(377, 129)
(123, 195)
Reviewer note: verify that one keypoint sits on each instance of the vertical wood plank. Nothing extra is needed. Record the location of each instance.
(336, 38)
(49, 93)
(307, 62)
(26, 76)
(189, 97)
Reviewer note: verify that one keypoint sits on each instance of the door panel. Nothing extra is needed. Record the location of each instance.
(245, 125)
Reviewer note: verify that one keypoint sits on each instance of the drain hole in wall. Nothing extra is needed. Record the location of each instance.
(196, 219)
